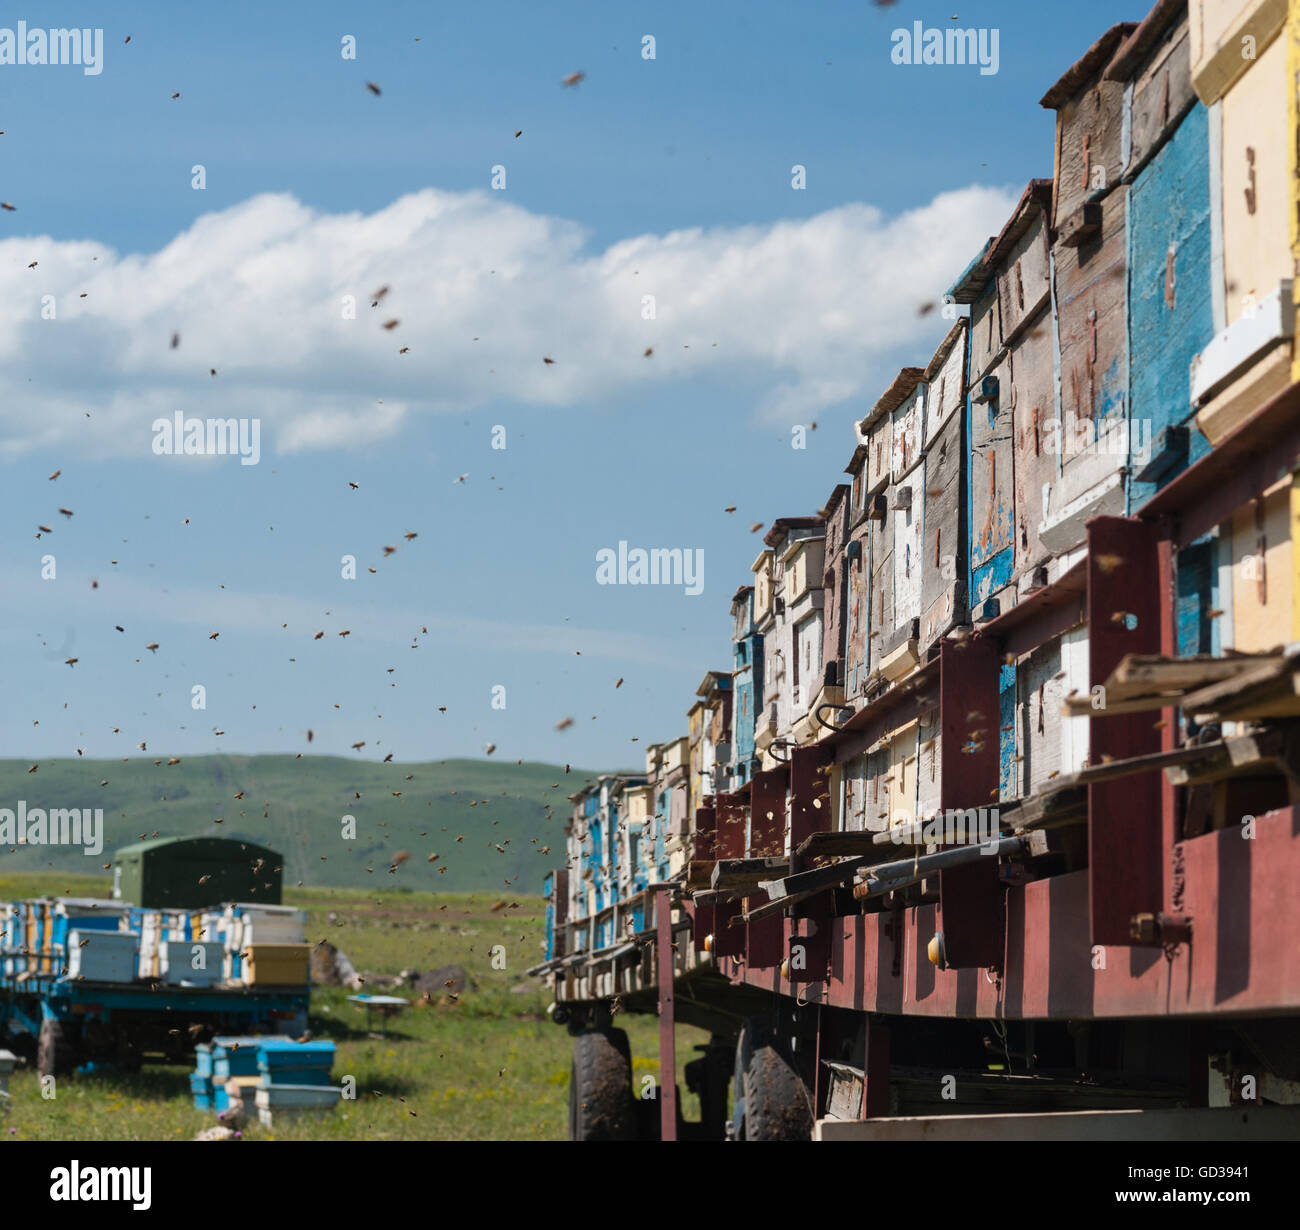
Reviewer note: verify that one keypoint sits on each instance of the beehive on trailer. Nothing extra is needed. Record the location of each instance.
(188, 873)
(1055, 713)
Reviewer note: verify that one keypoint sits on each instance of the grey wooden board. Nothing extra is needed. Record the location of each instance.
(985, 334)
(1091, 285)
(1024, 280)
(1032, 378)
(1038, 718)
(1089, 131)
(992, 475)
(1162, 92)
(947, 390)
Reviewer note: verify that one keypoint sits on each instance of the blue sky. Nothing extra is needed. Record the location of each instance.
(670, 176)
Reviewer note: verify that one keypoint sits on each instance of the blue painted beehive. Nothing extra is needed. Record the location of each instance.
(201, 1077)
(295, 1078)
(234, 1056)
(277, 1053)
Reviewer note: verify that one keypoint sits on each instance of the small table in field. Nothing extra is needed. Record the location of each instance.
(385, 1005)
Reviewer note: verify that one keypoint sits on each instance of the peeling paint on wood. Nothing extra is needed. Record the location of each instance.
(1171, 315)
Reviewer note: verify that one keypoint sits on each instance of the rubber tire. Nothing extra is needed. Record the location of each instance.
(601, 1106)
(774, 1102)
(54, 1051)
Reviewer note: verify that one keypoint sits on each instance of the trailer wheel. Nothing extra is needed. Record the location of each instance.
(771, 1101)
(54, 1052)
(601, 1106)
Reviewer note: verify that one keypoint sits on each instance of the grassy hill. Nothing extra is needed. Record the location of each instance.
(296, 805)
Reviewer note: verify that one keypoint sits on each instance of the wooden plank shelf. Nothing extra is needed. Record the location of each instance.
(742, 875)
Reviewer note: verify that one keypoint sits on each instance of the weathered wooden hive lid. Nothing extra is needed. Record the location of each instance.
(981, 271)
(782, 526)
(1087, 67)
(712, 680)
(894, 396)
(945, 348)
(971, 282)
(1144, 38)
(838, 493)
(858, 460)
(795, 545)
(1037, 196)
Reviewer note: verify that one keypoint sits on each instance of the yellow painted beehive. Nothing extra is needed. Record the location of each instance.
(276, 964)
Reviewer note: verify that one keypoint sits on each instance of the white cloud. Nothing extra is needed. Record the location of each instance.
(804, 314)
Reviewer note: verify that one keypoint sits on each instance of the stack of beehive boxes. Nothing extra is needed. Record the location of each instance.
(224, 1070)
(279, 1077)
(87, 940)
(264, 944)
(157, 929)
(8, 1060)
(52, 935)
(11, 945)
(295, 1079)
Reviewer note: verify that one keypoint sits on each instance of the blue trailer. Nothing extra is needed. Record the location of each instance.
(70, 1022)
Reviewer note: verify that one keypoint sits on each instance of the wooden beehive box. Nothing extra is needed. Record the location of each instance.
(943, 597)
(1089, 134)
(1023, 280)
(1091, 289)
(880, 595)
(276, 964)
(1092, 326)
(1219, 30)
(844, 1099)
(928, 751)
(946, 378)
(832, 581)
(1050, 744)
(1171, 313)
(908, 514)
(1250, 359)
(1261, 575)
(176, 962)
(1155, 61)
(857, 610)
(107, 956)
(991, 473)
(903, 765)
(907, 431)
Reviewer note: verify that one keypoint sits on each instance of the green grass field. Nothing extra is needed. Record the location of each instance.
(486, 1066)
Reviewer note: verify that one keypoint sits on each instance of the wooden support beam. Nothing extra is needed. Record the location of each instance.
(744, 874)
(667, 1016)
(1143, 682)
(1242, 755)
(710, 897)
(775, 906)
(699, 873)
(826, 845)
(1066, 806)
(875, 1070)
(817, 879)
(1270, 689)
